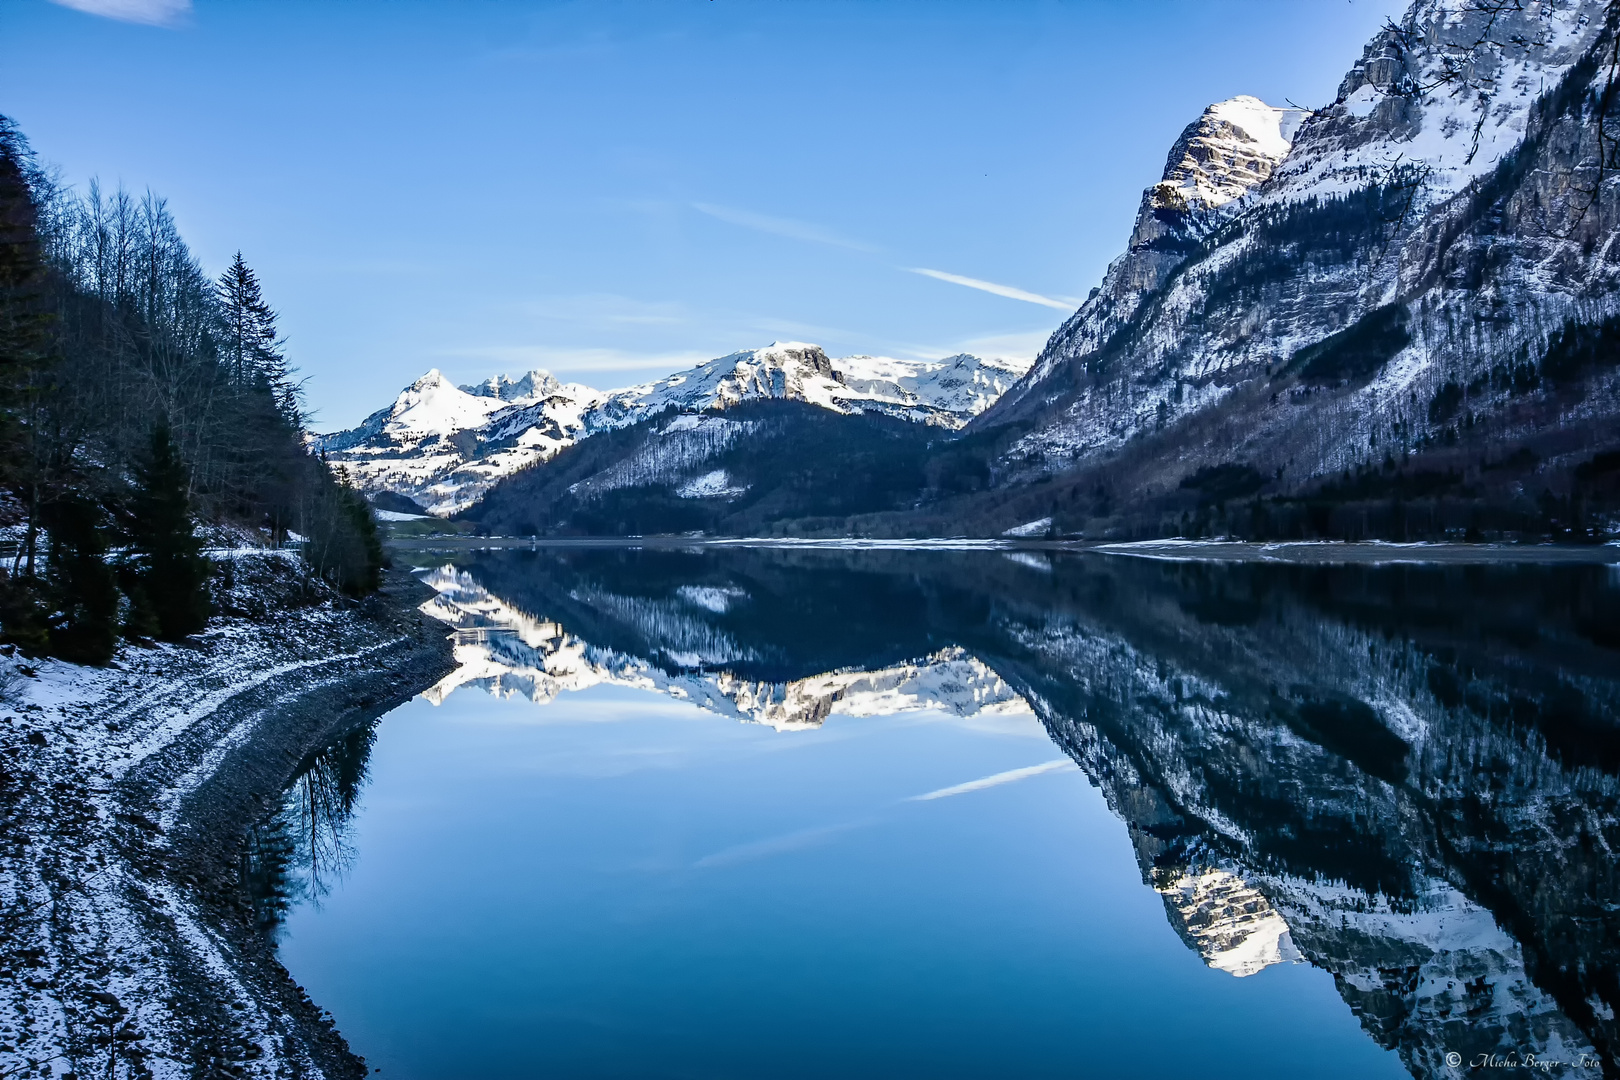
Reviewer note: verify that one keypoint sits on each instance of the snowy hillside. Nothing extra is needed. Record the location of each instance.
(445, 446)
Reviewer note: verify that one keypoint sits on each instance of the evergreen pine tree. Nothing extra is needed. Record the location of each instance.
(83, 628)
(368, 576)
(343, 543)
(173, 572)
(252, 350)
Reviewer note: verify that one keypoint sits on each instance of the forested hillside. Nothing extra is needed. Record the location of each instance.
(758, 468)
(141, 402)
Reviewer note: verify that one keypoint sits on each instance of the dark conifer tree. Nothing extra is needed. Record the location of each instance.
(172, 570)
(342, 539)
(251, 347)
(364, 522)
(25, 322)
(84, 626)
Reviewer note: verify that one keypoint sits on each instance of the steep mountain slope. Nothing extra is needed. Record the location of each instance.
(1219, 158)
(1376, 317)
(445, 446)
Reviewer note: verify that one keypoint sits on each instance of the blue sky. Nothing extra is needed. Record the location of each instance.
(615, 190)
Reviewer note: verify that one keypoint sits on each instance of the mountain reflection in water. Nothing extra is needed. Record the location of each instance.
(1405, 775)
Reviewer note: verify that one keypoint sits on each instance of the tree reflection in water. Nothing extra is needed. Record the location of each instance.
(299, 851)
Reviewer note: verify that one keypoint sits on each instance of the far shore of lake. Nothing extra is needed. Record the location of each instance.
(1310, 552)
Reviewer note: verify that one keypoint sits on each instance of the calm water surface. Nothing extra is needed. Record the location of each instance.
(762, 813)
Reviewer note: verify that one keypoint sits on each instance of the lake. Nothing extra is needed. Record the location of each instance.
(746, 812)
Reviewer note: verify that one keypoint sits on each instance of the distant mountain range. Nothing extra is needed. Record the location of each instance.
(443, 446)
(1395, 316)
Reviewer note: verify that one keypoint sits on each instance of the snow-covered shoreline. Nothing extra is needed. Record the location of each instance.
(127, 789)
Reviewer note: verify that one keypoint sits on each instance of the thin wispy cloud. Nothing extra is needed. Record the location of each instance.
(778, 226)
(1011, 776)
(595, 309)
(1000, 290)
(145, 12)
(778, 845)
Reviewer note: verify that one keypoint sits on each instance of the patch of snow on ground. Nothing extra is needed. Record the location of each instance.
(711, 485)
(1038, 527)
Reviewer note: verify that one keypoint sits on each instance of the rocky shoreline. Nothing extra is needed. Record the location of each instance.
(129, 945)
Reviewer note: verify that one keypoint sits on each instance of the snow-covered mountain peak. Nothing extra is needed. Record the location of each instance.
(1232, 147)
(1270, 126)
(433, 405)
(1220, 157)
(532, 384)
(787, 350)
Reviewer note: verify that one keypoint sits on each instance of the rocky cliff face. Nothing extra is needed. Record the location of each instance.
(1219, 158)
(1384, 278)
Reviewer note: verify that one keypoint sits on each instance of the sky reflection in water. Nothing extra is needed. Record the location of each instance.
(610, 880)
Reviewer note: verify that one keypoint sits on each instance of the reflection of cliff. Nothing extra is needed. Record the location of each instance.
(1425, 805)
(505, 651)
(1226, 920)
(1409, 777)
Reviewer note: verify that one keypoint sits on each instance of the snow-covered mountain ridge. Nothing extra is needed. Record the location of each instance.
(1329, 292)
(445, 446)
